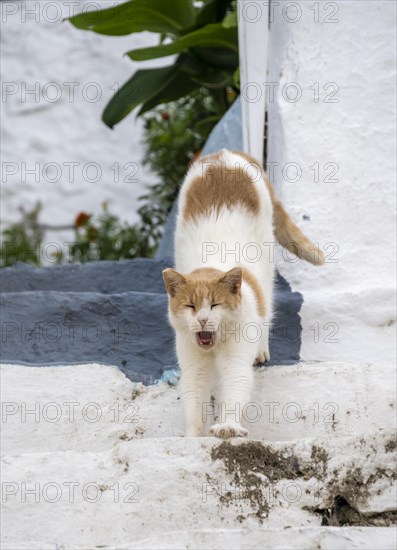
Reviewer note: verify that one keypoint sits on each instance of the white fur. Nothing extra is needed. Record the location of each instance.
(230, 360)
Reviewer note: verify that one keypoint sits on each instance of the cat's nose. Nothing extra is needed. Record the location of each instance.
(202, 321)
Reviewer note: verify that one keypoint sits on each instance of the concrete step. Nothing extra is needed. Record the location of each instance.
(109, 312)
(322, 479)
(107, 277)
(153, 486)
(51, 327)
(289, 403)
(316, 538)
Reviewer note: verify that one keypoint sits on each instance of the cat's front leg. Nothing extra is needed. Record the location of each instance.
(194, 385)
(236, 378)
(194, 390)
(191, 401)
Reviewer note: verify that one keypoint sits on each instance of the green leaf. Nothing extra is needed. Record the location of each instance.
(190, 63)
(162, 16)
(213, 80)
(201, 73)
(149, 87)
(143, 85)
(210, 36)
(221, 58)
(213, 11)
(236, 78)
(179, 85)
(205, 125)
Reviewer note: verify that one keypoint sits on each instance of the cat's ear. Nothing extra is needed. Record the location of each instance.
(232, 280)
(172, 280)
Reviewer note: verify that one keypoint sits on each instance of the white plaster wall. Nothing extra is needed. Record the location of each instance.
(38, 49)
(355, 291)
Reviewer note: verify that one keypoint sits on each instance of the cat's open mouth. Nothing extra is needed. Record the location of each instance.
(205, 338)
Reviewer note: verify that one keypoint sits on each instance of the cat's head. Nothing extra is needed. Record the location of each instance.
(202, 302)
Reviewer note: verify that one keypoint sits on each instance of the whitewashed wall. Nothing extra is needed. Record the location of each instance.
(339, 137)
(61, 124)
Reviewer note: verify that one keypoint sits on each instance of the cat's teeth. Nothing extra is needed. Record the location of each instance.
(205, 338)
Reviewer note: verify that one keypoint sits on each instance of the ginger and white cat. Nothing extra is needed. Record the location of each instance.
(221, 291)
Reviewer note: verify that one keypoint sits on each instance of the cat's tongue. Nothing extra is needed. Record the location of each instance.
(205, 338)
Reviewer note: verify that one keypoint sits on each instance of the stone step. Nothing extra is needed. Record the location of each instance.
(319, 538)
(129, 330)
(153, 486)
(106, 277)
(98, 467)
(113, 313)
(289, 403)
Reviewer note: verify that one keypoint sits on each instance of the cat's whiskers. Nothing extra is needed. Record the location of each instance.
(210, 326)
(190, 337)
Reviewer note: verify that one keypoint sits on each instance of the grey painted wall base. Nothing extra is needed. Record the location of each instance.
(113, 313)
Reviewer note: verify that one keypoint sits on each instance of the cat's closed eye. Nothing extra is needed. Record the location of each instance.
(214, 305)
(190, 305)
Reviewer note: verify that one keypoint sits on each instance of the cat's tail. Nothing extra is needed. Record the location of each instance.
(286, 231)
(290, 236)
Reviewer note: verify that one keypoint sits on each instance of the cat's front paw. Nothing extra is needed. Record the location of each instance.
(225, 431)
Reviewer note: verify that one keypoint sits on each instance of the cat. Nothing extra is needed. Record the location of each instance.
(221, 290)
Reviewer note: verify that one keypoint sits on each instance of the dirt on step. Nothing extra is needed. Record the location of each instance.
(254, 457)
(391, 446)
(342, 514)
(252, 467)
(255, 469)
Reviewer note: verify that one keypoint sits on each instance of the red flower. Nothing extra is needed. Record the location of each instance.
(81, 219)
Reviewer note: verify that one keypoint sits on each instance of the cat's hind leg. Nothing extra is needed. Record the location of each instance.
(263, 354)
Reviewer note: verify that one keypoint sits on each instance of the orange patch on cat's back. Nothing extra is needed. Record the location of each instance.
(252, 281)
(219, 185)
(251, 161)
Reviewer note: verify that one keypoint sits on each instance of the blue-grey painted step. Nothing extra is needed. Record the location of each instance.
(141, 275)
(50, 317)
(129, 330)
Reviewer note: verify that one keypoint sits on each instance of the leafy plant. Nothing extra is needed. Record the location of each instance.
(21, 242)
(108, 239)
(172, 137)
(197, 89)
(203, 35)
(103, 237)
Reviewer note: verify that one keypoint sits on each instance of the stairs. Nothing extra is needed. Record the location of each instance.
(93, 449)
(317, 472)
